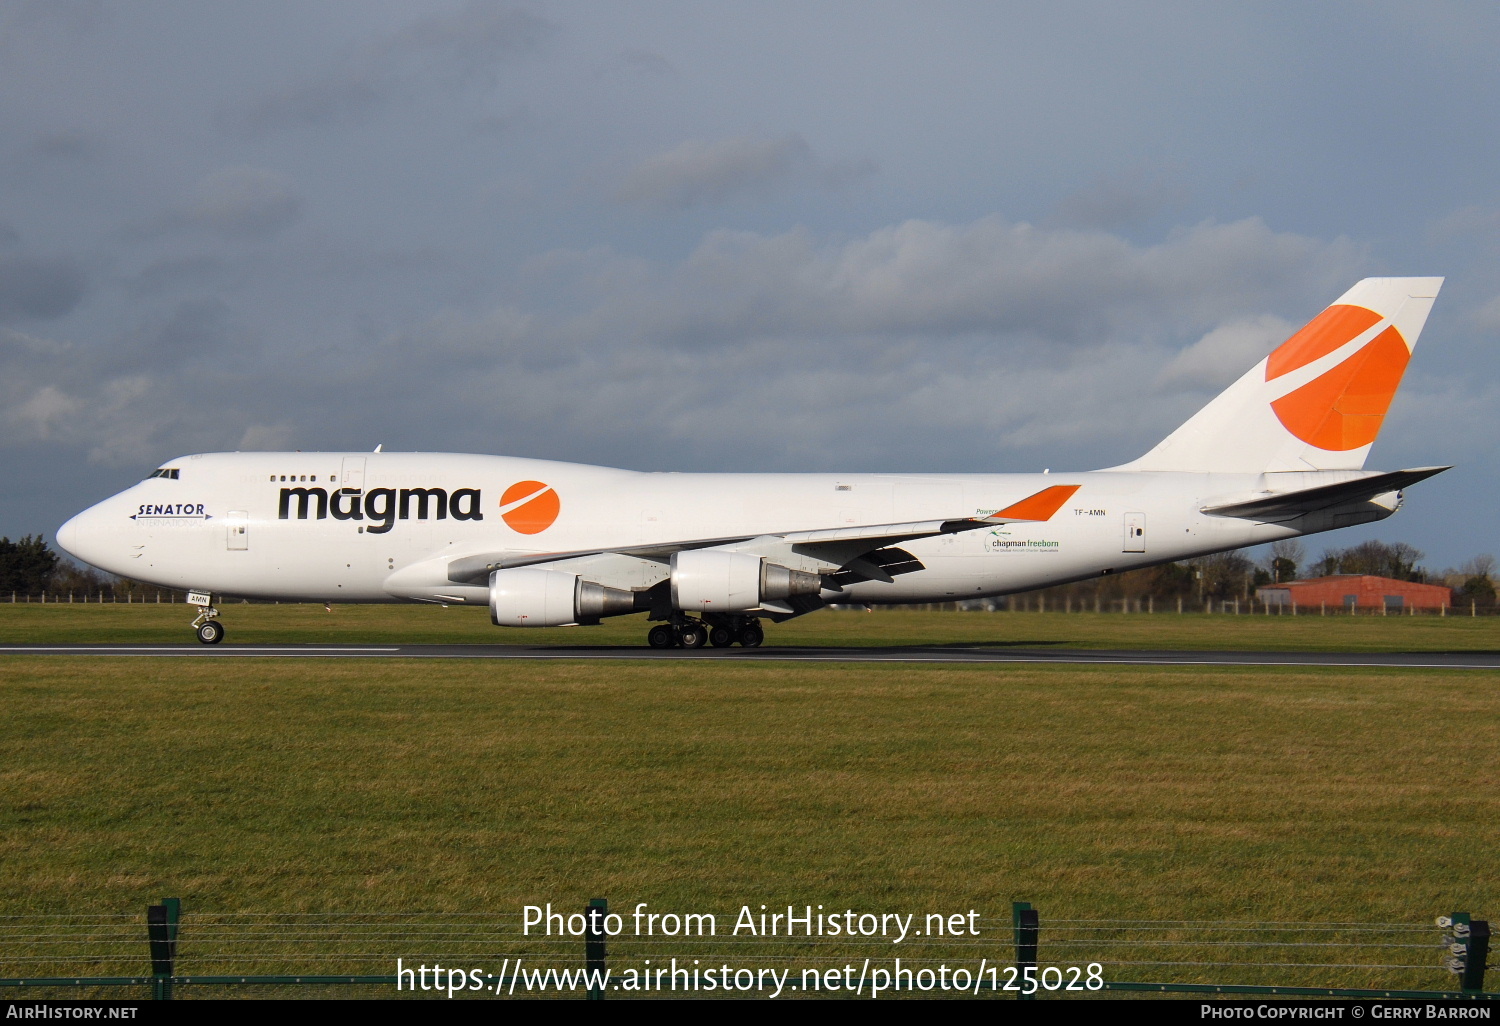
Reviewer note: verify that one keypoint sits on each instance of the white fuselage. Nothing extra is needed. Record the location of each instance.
(240, 524)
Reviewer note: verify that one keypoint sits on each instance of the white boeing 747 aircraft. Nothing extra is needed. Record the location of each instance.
(1280, 453)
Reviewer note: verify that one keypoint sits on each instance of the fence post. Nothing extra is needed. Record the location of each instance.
(161, 932)
(593, 948)
(1027, 926)
(1473, 935)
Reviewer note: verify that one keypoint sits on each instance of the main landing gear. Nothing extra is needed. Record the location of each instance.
(720, 632)
(207, 626)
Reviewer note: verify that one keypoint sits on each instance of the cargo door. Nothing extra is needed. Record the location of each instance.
(1135, 532)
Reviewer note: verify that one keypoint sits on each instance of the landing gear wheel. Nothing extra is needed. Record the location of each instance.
(693, 635)
(751, 635)
(720, 637)
(210, 632)
(662, 636)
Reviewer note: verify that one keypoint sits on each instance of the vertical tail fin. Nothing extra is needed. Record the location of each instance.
(1318, 401)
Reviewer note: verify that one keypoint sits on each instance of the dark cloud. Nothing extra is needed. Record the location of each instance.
(39, 288)
(194, 326)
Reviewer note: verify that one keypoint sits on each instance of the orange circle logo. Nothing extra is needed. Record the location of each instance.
(529, 507)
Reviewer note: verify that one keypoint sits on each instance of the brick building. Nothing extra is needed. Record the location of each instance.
(1361, 591)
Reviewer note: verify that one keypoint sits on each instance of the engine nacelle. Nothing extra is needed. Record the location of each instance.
(712, 581)
(534, 597)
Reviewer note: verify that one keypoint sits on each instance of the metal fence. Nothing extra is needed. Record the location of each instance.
(598, 953)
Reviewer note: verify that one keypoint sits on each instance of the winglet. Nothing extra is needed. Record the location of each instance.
(1038, 507)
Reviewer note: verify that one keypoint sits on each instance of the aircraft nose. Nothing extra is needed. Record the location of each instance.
(82, 539)
(67, 537)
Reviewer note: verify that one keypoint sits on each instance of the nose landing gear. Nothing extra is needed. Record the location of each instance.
(207, 626)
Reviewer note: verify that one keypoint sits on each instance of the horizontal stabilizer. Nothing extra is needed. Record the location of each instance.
(1276, 506)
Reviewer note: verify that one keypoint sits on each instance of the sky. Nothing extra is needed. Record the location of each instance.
(768, 236)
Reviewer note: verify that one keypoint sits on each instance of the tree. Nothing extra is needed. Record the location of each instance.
(1286, 555)
(1482, 565)
(1396, 560)
(26, 566)
(1478, 589)
(1479, 580)
(1223, 574)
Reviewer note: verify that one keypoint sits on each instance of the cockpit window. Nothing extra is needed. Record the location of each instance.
(172, 472)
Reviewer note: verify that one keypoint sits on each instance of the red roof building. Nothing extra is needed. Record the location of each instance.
(1356, 591)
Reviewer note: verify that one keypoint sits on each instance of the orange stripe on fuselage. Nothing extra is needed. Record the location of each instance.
(1040, 506)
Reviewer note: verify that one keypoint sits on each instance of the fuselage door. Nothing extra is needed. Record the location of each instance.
(352, 475)
(1135, 532)
(237, 529)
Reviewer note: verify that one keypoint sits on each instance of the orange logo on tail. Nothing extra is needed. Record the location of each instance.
(1342, 408)
(530, 507)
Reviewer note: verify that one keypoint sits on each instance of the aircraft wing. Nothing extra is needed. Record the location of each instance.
(833, 549)
(1277, 506)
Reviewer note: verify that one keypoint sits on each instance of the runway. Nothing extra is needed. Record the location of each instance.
(950, 655)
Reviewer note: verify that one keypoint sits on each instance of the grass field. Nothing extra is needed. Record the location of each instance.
(1133, 792)
(418, 624)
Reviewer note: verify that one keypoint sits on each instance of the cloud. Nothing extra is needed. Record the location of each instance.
(1226, 352)
(38, 287)
(40, 414)
(266, 437)
(1464, 223)
(1487, 317)
(455, 50)
(22, 21)
(989, 276)
(920, 345)
(245, 201)
(232, 202)
(1126, 200)
(699, 172)
(471, 41)
(647, 62)
(349, 97)
(70, 144)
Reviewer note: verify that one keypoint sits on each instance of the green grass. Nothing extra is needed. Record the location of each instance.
(1136, 793)
(420, 624)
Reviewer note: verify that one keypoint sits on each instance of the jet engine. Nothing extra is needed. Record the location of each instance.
(534, 597)
(712, 581)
